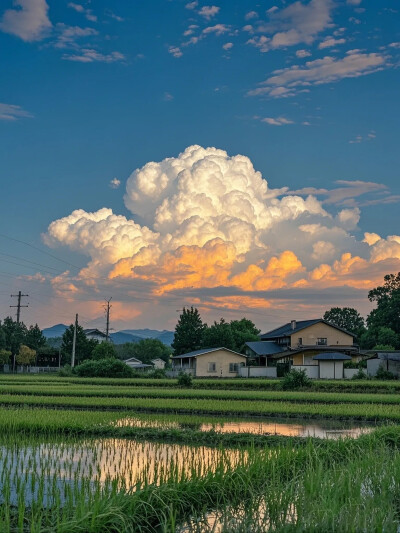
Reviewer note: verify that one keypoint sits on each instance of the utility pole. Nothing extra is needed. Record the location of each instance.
(74, 341)
(18, 306)
(107, 308)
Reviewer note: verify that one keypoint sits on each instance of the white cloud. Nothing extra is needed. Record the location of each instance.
(175, 51)
(303, 53)
(395, 45)
(329, 42)
(168, 97)
(296, 23)
(218, 29)
(278, 121)
(227, 46)
(115, 183)
(88, 55)
(69, 35)
(208, 12)
(286, 82)
(354, 2)
(13, 112)
(214, 226)
(192, 5)
(80, 9)
(30, 22)
(251, 15)
(360, 138)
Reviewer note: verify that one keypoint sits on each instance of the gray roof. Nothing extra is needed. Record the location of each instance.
(94, 331)
(203, 351)
(386, 356)
(264, 347)
(286, 330)
(332, 356)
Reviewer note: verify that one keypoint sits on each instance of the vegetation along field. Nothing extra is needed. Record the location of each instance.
(140, 455)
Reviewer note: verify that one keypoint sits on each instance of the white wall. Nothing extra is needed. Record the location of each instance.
(258, 372)
(331, 369)
(350, 372)
(312, 371)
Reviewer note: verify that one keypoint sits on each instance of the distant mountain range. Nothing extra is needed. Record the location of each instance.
(120, 337)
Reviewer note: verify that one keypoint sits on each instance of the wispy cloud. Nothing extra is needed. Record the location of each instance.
(278, 121)
(288, 81)
(362, 138)
(29, 20)
(296, 23)
(88, 55)
(175, 51)
(329, 42)
(302, 53)
(11, 112)
(69, 35)
(218, 29)
(80, 9)
(227, 46)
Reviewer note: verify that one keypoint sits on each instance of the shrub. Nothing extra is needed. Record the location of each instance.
(384, 374)
(360, 375)
(104, 368)
(104, 350)
(295, 379)
(65, 371)
(185, 380)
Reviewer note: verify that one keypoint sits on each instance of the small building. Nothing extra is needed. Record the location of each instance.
(210, 362)
(330, 364)
(158, 363)
(389, 361)
(260, 351)
(95, 334)
(136, 364)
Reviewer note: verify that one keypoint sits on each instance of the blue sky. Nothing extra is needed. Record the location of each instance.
(89, 92)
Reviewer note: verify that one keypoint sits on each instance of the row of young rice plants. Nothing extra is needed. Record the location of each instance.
(235, 407)
(373, 386)
(153, 392)
(104, 485)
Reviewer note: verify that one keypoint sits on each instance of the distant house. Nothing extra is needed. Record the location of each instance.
(210, 362)
(136, 364)
(95, 334)
(261, 351)
(158, 363)
(389, 361)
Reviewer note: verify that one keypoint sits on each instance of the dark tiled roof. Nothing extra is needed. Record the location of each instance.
(264, 347)
(286, 330)
(203, 351)
(332, 356)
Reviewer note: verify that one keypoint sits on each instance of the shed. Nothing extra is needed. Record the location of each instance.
(210, 362)
(331, 364)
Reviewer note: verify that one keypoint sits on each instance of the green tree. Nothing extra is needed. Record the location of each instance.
(147, 349)
(243, 331)
(346, 318)
(34, 338)
(383, 348)
(25, 356)
(218, 335)
(104, 350)
(387, 298)
(83, 348)
(5, 356)
(188, 332)
(2, 338)
(15, 334)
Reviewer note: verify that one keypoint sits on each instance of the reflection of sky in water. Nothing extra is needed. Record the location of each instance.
(331, 429)
(87, 464)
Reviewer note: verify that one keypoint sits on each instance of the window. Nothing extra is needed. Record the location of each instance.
(300, 341)
(322, 341)
(212, 367)
(233, 367)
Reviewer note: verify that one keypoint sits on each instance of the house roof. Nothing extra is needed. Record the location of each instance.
(264, 347)
(204, 351)
(94, 331)
(386, 356)
(322, 349)
(332, 356)
(286, 330)
(132, 360)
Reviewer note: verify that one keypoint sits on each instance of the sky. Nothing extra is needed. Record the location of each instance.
(238, 156)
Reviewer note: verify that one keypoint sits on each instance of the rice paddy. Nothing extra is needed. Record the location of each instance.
(137, 456)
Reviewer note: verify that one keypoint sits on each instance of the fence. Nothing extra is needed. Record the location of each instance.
(257, 372)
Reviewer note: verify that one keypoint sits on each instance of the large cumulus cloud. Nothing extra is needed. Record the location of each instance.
(211, 221)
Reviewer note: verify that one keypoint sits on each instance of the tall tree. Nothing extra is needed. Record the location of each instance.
(34, 338)
(219, 335)
(243, 331)
(26, 355)
(104, 350)
(346, 318)
(15, 334)
(83, 348)
(387, 298)
(188, 332)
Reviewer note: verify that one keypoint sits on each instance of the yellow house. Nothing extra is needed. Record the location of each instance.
(210, 362)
